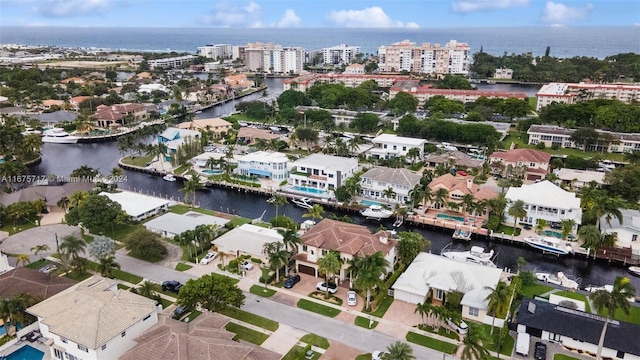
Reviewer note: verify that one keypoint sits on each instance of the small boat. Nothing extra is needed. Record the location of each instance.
(59, 136)
(559, 279)
(476, 255)
(549, 245)
(376, 212)
(304, 203)
(461, 235)
(607, 288)
(634, 270)
(169, 177)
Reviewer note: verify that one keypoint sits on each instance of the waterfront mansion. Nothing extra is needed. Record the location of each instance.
(270, 165)
(319, 173)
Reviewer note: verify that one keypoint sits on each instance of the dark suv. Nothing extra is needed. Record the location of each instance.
(292, 280)
(540, 352)
(179, 312)
(171, 285)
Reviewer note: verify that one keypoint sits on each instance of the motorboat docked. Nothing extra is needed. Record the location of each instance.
(549, 245)
(376, 212)
(476, 255)
(559, 279)
(59, 136)
(169, 177)
(304, 203)
(460, 234)
(634, 270)
(31, 131)
(607, 288)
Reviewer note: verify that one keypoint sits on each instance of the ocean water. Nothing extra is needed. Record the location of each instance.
(597, 42)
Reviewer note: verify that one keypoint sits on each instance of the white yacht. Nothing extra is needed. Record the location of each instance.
(476, 255)
(559, 279)
(304, 203)
(169, 177)
(549, 245)
(376, 212)
(59, 136)
(634, 270)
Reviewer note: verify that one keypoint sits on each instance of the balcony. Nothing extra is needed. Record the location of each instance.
(318, 177)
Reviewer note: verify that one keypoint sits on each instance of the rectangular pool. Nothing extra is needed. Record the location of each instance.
(370, 202)
(26, 353)
(445, 216)
(308, 190)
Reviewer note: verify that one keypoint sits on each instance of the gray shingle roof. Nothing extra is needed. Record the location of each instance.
(403, 177)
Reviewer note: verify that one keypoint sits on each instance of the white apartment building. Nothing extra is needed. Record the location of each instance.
(387, 146)
(544, 200)
(321, 172)
(339, 54)
(354, 69)
(551, 135)
(453, 58)
(503, 73)
(221, 51)
(350, 80)
(270, 165)
(377, 180)
(272, 58)
(173, 62)
(571, 93)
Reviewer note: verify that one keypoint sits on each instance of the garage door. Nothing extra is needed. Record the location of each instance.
(306, 270)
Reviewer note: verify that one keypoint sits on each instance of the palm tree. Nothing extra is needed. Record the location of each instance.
(189, 188)
(567, 227)
(72, 246)
(423, 309)
(498, 204)
(5, 311)
(440, 197)
(107, 265)
(473, 345)
(277, 255)
(609, 302)
(413, 154)
(63, 203)
(427, 196)
(518, 211)
(499, 300)
(329, 264)
(632, 157)
(222, 255)
(291, 241)
(468, 203)
(399, 351)
(40, 248)
(277, 201)
(388, 193)
(415, 195)
(591, 238)
(540, 225)
(314, 212)
(370, 274)
(354, 267)
(22, 259)
(146, 289)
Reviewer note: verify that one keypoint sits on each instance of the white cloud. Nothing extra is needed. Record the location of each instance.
(556, 13)
(229, 14)
(70, 8)
(371, 17)
(289, 19)
(479, 5)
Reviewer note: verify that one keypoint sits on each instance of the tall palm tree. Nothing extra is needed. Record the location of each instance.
(632, 157)
(146, 289)
(415, 195)
(291, 241)
(189, 188)
(370, 274)
(441, 197)
(498, 204)
(567, 227)
(329, 264)
(609, 302)
(277, 255)
(468, 203)
(5, 311)
(388, 193)
(473, 345)
(518, 212)
(591, 238)
(107, 265)
(40, 248)
(399, 351)
(499, 300)
(353, 267)
(278, 200)
(423, 309)
(222, 255)
(427, 196)
(63, 203)
(314, 212)
(72, 246)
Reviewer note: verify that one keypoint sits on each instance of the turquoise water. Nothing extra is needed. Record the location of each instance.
(370, 202)
(4, 331)
(445, 216)
(26, 353)
(212, 172)
(308, 190)
(552, 233)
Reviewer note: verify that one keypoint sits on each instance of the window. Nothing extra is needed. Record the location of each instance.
(104, 347)
(554, 337)
(58, 353)
(304, 247)
(124, 333)
(83, 348)
(473, 311)
(439, 294)
(634, 237)
(64, 340)
(71, 357)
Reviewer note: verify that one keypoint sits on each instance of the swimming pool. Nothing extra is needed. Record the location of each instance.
(26, 353)
(212, 172)
(308, 190)
(452, 217)
(552, 233)
(370, 202)
(3, 331)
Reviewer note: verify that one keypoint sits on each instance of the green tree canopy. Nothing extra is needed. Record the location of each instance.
(212, 292)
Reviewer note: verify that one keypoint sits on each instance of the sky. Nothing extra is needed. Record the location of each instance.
(319, 14)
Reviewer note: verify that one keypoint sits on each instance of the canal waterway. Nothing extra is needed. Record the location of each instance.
(62, 159)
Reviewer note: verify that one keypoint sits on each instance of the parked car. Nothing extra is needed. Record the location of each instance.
(522, 344)
(351, 298)
(322, 286)
(247, 265)
(179, 312)
(48, 268)
(377, 355)
(171, 285)
(292, 280)
(208, 258)
(540, 352)
(461, 328)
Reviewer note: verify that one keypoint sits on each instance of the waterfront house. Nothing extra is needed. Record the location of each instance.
(579, 178)
(247, 135)
(120, 114)
(387, 146)
(576, 330)
(627, 232)
(54, 118)
(172, 224)
(264, 164)
(375, 181)
(216, 126)
(457, 187)
(247, 239)
(238, 82)
(454, 159)
(172, 138)
(319, 173)
(51, 194)
(534, 163)
(93, 320)
(138, 206)
(431, 276)
(75, 101)
(547, 201)
(347, 239)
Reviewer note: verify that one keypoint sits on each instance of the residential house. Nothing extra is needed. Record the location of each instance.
(247, 239)
(93, 320)
(387, 146)
(172, 138)
(218, 127)
(347, 239)
(576, 330)
(238, 82)
(559, 136)
(138, 206)
(377, 180)
(48, 104)
(627, 232)
(533, 164)
(457, 187)
(54, 118)
(453, 159)
(247, 135)
(204, 338)
(264, 164)
(75, 101)
(120, 114)
(321, 173)
(51, 194)
(24, 280)
(547, 201)
(579, 178)
(172, 224)
(431, 276)
(354, 69)
(503, 73)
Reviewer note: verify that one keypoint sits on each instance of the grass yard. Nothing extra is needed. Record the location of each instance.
(237, 221)
(140, 161)
(261, 291)
(318, 308)
(165, 303)
(194, 314)
(183, 267)
(575, 296)
(563, 357)
(118, 274)
(435, 344)
(38, 264)
(313, 339)
(297, 353)
(246, 334)
(122, 230)
(74, 275)
(633, 317)
(251, 318)
(363, 357)
(16, 229)
(364, 322)
(534, 289)
(151, 259)
(123, 287)
(182, 209)
(383, 307)
(443, 331)
(506, 347)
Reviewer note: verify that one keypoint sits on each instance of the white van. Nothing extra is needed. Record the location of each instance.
(522, 344)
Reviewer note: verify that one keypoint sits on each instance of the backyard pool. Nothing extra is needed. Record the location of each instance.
(370, 202)
(552, 233)
(3, 331)
(25, 353)
(211, 172)
(308, 190)
(452, 217)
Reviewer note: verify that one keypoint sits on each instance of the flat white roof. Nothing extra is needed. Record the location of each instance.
(247, 238)
(391, 138)
(135, 204)
(264, 157)
(584, 176)
(544, 193)
(176, 223)
(327, 162)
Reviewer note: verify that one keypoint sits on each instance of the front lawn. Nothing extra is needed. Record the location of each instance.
(383, 307)
(182, 209)
(315, 340)
(261, 291)
(318, 308)
(139, 161)
(633, 316)
(364, 322)
(246, 334)
(122, 230)
(363, 357)
(118, 274)
(563, 357)
(443, 331)
(297, 353)
(432, 343)
(534, 289)
(16, 229)
(506, 347)
(194, 314)
(250, 318)
(575, 296)
(183, 267)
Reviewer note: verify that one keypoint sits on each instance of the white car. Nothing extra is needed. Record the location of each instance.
(351, 298)
(377, 355)
(461, 328)
(208, 258)
(247, 265)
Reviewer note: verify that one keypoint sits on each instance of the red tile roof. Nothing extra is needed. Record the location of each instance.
(24, 280)
(347, 238)
(522, 155)
(464, 184)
